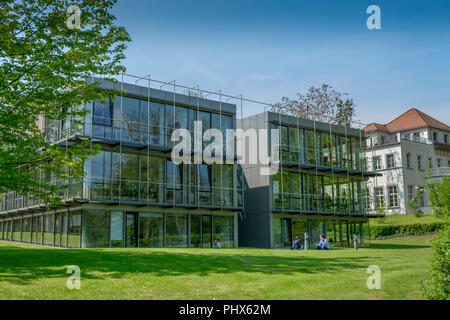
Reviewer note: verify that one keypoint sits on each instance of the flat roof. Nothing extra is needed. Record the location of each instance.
(142, 92)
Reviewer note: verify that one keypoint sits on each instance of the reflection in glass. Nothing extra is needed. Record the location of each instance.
(74, 229)
(131, 230)
(176, 230)
(95, 229)
(206, 231)
(224, 230)
(151, 230)
(196, 231)
(117, 229)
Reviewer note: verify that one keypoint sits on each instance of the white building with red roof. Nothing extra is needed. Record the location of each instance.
(402, 151)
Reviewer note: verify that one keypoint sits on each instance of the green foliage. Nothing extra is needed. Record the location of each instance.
(319, 104)
(437, 287)
(439, 196)
(43, 70)
(412, 229)
(415, 204)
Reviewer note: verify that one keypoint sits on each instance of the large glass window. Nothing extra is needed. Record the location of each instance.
(95, 229)
(329, 194)
(131, 238)
(151, 230)
(144, 121)
(130, 119)
(156, 122)
(100, 179)
(130, 177)
(156, 179)
(64, 222)
(39, 229)
(206, 231)
(299, 228)
(169, 123)
(295, 194)
(227, 123)
(26, 230)
(196, 221)
(284, 132)
(176, 230)
(102, 113)
(222, 176)
(224, 231)
(282, 232)
(310, 146)
(315, 230)
(49, 228)
(204, 183)
(174, 182)
(344, 195)
(326, 150)
(205, 118)
(74, 229)
(116, 233)
(57, 229)
(16, 229)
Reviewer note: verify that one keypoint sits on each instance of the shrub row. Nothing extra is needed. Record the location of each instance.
(414, 229)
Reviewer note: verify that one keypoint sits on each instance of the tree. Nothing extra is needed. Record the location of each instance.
(44, 64)
(437, 285)
(439, 197)
(321, 104)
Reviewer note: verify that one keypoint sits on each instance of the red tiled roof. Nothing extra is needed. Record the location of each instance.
(411, 119)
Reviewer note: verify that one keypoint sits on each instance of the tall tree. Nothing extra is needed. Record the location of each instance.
(45, 59)
(321, 104)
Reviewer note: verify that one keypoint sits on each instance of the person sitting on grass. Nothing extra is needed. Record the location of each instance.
(217, 244)
(296, 244)
(323, 244)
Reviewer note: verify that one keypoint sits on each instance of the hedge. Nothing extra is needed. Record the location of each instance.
(414, 229)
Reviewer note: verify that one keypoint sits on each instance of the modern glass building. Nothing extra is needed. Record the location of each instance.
(133, 195)
(319, 188)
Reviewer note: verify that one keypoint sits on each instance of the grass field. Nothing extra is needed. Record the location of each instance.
(407, 219)
(31, 272)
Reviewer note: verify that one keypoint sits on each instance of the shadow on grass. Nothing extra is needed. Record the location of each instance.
(21, 265)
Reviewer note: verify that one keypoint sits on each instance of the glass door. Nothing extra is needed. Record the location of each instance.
(132, 230)
(206, 231)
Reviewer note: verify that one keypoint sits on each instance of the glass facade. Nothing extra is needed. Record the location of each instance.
(321, 172)
(141, 173)
(99, 228)
(306, 192)
(309, 146)
(339, 233)
(156, 179)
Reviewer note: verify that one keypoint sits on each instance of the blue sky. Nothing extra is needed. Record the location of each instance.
(268, 49)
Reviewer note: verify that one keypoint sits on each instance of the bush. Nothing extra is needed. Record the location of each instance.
(437, 287)
(414, 229)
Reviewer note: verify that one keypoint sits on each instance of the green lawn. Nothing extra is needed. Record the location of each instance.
(31, 272)
(407, 219)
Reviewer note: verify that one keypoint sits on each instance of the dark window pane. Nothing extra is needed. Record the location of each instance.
(96, 229)
(151, 230)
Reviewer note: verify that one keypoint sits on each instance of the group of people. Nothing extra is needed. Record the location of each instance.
(323, 244)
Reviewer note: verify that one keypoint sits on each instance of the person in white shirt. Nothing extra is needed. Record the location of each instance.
(323, 244)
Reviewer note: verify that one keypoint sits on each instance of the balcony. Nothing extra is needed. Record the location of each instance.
(139, 193)
(316, 204)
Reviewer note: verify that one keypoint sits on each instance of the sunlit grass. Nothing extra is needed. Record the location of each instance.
(32, 272)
